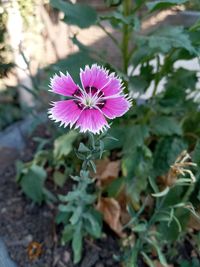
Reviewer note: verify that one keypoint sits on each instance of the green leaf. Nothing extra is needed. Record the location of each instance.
(114, 188)
(77, 213)
(59, 178)
(93, 166)
(67, 234)
(62, 217)
(196, 154)
(48, 195)
(77, 243)
(153, 184)
(139, 132)
(137, 161)
(171, 232)
(162, 4)
(101, 148)
(165, 154)
(118, 19)
(32, 183)
(164, 125)
(162, 193)
(135, 187)
(93, 223)
(163, 40)
(118, 132)
(148, 260)
(76, 14)
(191, 124)
(81, 46)
(161, 256)
(83, 148)
(19, 169)
(139, 83)
(140, 228)
(136, 167)
(196, 26)
(71, 196)
(194, 262)
(66, 208)
(63, 144)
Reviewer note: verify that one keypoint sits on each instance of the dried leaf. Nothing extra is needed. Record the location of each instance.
(194, 223)
(123, 199)
(179, 168)
(111, 211)
(107, 171)
(158, 264)
(34, 250)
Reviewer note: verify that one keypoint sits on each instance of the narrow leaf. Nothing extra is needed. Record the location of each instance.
(162, 4)
(162, 193)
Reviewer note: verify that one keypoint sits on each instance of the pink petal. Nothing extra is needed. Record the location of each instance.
(116, 107)
(113, 87)
(91, 120)
(65, 111)
(63, 85)
(94, 77)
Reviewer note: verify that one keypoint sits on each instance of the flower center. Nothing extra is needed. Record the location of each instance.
(89, 101)
(91, 97)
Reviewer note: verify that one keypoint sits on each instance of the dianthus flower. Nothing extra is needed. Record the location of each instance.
(87, 107)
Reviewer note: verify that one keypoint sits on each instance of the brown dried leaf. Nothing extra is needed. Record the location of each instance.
(107, 171)
(34, 250)
(158, 264)
(194, 223)
(111, 211)
(181, 167)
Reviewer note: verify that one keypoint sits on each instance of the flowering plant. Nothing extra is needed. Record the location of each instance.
(86, 108)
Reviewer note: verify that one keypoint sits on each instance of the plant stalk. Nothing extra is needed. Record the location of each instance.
(127, 4)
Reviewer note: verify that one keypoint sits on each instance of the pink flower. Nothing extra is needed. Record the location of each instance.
(88, 107)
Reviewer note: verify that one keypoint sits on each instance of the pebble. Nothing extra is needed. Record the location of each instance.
(3, 210)
(99, 264)
(28, 238)
(109, 262)
(66, 257)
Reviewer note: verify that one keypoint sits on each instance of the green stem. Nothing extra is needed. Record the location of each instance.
(91, 145)
(188, 193)
(158, 208)
(135, 253)
(139, 6)
(125, 36)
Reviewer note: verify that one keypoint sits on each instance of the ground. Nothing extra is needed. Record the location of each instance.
(22, 223)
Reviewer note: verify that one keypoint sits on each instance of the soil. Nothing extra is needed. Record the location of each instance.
(22, 223)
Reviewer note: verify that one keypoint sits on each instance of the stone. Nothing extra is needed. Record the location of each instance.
(99, 264)
(66, 257)
(5, 260)
(15, 135)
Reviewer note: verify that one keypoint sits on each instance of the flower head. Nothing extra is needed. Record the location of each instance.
(87, 107)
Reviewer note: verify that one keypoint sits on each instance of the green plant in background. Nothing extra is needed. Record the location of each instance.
(193, 5)
(163, 123)
(5, 51)
(57, 161)
(9, 107)
(169, 215)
